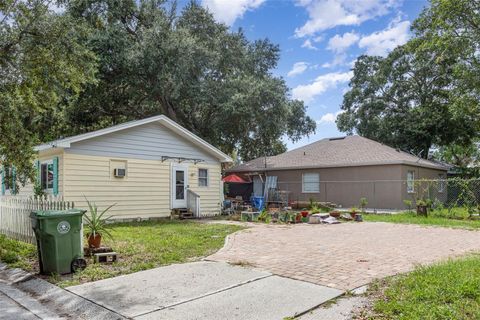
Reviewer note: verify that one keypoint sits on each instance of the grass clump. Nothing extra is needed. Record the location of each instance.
(431, 220)
(150, 244)
(17, 254)
(446, 290)
(140, 246)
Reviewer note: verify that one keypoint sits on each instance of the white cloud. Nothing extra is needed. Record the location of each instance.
(228, 11)
(381, 42)
(326, 14)
(321, 84)
(340, 43)
(329, 117)
(298, 68)
(338, 60)
(308, 44)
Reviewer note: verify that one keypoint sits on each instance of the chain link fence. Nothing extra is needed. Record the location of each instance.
(380, 195)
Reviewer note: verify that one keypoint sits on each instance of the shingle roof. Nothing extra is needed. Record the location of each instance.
(336, 152)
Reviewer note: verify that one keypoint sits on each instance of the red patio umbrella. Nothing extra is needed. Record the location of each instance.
(234, 178)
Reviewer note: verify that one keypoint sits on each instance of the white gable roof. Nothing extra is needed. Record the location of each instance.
(172, 125)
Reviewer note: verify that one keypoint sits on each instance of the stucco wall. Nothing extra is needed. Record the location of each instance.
(384, 186)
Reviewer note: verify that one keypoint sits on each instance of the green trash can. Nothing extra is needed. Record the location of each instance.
(59, 240)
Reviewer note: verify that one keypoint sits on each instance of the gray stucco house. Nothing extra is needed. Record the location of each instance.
(343, 170)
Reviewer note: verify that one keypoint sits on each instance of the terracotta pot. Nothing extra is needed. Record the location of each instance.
(422, 211)
(94, 241)
(335, 214)
(298, 218)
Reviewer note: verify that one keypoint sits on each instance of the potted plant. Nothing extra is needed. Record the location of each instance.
(353, 212)
(422, 207)
(335, 214)
(96, 225)
(298, 217)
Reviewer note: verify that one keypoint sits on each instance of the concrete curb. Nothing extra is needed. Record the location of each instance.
(48, 301)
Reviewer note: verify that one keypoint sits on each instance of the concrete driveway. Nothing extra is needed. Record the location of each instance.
(344, 256)
(205, 290)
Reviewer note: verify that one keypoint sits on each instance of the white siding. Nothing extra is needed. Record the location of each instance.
(150, 142)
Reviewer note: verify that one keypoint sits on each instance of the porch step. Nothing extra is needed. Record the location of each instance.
(184, 213)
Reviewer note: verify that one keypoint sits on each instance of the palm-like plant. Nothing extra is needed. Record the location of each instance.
(95, 223)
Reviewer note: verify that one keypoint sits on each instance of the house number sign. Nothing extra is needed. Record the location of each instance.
(63, 227)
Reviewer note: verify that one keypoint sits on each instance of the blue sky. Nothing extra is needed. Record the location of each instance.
(319, 40)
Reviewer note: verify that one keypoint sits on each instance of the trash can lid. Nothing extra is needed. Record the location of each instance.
(57, 213)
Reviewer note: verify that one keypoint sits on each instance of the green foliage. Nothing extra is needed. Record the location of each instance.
(95, 222)
(363, 203)
(44, 64)
(150, 244)
(315, 208)
(425, 92)
(16, 254)
(436, 218)
(184, 64)
(446, 290)
(408, 204)
(38, 190)
(466, 158)
(265, 216)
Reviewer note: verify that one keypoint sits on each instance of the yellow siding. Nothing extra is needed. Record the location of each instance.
(27, 190)
(143, 193)
(209, 196)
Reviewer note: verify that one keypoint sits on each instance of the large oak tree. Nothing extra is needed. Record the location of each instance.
(213, 81)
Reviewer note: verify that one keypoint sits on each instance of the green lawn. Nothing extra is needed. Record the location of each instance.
(447, 290)
(17, 254)
(140, 245)
(434, 219)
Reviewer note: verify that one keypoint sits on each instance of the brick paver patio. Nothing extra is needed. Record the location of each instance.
(344, 256)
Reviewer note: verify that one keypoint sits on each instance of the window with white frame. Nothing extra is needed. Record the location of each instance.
(203, 177)
(46, 175)
(310, 183)
(410, 181)
(441, 182)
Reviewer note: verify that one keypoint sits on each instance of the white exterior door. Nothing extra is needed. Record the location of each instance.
(179, 186)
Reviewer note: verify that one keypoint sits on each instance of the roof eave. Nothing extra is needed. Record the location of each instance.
(65, 143)
(431, 166)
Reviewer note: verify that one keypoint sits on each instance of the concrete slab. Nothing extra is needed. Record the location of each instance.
(23, 296)
(25, 304)
(11, 310)
(343, 309)
(146, 291)
(268, 298)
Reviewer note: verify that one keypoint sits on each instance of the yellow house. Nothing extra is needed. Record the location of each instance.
(146, 167)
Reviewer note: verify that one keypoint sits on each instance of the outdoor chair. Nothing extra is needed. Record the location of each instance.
(228, 207)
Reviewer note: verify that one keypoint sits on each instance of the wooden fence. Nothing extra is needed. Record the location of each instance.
(15, 215)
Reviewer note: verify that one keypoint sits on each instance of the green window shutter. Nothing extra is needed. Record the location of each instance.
(37, 167)
(3, 179)
(14, 180)
(55, 176)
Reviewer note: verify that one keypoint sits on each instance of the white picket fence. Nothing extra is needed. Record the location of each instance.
(15, 212)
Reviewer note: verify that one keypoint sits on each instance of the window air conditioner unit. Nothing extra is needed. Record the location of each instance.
(119, 173)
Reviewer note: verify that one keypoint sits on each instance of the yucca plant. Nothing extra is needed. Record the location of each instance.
(96, 224)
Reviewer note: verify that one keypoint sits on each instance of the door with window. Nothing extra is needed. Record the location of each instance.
(179, 186)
